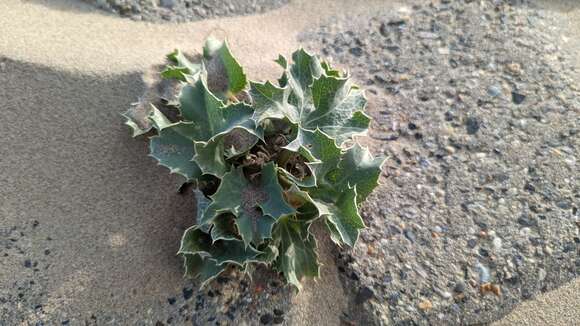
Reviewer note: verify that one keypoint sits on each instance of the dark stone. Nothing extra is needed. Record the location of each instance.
(409, 235)
(569, 247)
(527, 221)
(472, 125)
(187, 293)
(266, 319)
(449, 116)
(47, 252)
(403, 275)
(278, 312)
(223, 279)
(354, 276)
(278, 320)
(459, 287)
(518, 98)
(364, 294)
(65, 322)
(564, 204)
(471, 243)
(529, 187)
(484, 252)
(27, 263)
(412, 126)
(394, 298)
(356, 51)
(171, 300)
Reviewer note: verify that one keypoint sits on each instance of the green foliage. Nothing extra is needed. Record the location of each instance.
(267, 160)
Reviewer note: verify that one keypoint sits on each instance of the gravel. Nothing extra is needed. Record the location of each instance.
(474, 104)
(185, 10)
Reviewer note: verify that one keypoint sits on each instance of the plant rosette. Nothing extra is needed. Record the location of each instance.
(267, 160)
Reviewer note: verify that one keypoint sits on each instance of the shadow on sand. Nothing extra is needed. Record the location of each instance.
(114, 217)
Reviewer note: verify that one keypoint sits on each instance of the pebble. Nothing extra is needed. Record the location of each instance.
(494, 91)
(483, 272)
(497, 243)
(443, 294)
(187, 293)
(364, 294)
(425, 305)
(542, 274)
(472, 125)
(518, 98)
(409, 235)
(514, 68)
(459, 287)
(356, 51)
(278, 312)
(266, 319)
(471, 243)
(167, 3)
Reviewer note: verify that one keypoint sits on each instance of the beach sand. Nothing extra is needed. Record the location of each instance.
(112, 216)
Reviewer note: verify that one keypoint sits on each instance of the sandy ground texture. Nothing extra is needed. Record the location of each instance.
(184, 10)
(88, 226)
(476, 106)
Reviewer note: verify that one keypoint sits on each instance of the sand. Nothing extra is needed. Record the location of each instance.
(113, 216)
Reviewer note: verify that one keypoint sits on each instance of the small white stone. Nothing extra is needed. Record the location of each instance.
(497, 243)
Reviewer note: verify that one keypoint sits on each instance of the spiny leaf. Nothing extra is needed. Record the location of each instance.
(239, 141)
(210, 157)
(271, 102)
(256, 207)
(158, 120)
(306, 208)
(300, 75)
(181, 68)
(211, 117)
(338, 109)
(138, 118)
(357, 168)
(334, 234)
(197, 242)
(319, 149)
(225, 76)
(297, 251)
(268, 255)
(174, 151)
(202, 202)
(224, 228)
(329, 71)
(204, 269)
(342, 212)
(275, 205)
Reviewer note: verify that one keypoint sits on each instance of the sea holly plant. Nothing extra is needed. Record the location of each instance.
(267, 160)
